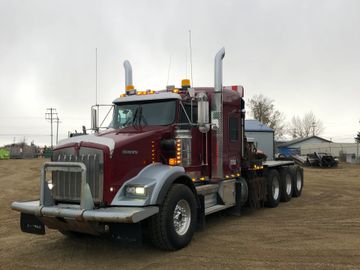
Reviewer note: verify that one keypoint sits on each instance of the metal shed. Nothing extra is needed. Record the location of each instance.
(263, 136)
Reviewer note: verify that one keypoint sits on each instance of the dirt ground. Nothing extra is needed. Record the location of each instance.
(319, 230)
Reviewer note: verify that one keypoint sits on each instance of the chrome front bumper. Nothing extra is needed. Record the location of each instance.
(83, 217)
(108, 214)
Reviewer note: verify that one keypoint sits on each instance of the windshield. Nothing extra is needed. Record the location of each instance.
(159, 113)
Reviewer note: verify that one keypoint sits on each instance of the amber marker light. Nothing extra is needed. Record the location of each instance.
(178, 151)
(172, 161)
(153, 151)
(185, 83)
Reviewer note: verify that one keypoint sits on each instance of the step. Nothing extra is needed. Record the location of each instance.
(216, 208)
(207, 189)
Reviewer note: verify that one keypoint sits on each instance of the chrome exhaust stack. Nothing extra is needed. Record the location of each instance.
(128, 76)
(217, 117)
(218, 69)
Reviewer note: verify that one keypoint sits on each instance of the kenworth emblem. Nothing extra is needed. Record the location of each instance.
(129, 152)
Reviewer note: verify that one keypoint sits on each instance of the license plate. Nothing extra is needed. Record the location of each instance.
(31, 224)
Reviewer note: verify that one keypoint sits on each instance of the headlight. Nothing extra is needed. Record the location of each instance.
(50, 184)
(136, 190)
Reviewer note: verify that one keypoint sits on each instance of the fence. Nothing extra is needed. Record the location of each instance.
(346, 152)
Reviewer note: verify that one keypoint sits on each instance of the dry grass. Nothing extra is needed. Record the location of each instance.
(319, 230)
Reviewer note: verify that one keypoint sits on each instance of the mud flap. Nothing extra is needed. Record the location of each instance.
(31, 224)
(127, 233)
(201, 214)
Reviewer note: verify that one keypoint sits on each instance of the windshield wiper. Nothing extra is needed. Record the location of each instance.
(135, 116)
(141, 117)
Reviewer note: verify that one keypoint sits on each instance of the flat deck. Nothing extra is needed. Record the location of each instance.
(276, 163)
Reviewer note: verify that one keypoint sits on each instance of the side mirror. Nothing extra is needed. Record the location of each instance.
(203, 112)
(94, 119)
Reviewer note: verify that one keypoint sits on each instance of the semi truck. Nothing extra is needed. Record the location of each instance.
(167, 160)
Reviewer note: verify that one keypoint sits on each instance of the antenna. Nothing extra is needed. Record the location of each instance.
(186, 55)
(96, 76)
(168, 77)
(190, 47)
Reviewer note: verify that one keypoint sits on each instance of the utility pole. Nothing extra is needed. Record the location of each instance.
(313, 128)
(357, 149)
(51, 115)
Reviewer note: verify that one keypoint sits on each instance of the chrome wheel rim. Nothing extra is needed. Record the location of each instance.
(275, 188)
(182, 217)
(288, 184)
(298, 181)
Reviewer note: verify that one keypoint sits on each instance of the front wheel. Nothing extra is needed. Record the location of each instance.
(173, 227)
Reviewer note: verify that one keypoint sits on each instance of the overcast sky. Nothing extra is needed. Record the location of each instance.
(305, 55)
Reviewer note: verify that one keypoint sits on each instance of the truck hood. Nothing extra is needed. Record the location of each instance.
(114, 138)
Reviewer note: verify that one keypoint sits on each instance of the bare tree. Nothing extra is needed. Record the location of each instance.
(304, 127)
(357, 138)
(262, 109)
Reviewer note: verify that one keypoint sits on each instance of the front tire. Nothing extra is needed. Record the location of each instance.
(173, 227)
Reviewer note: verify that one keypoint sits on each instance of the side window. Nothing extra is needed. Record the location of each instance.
(233, 129)
(183, 119)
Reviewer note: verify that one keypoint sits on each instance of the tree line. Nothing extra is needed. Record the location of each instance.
(263, 109)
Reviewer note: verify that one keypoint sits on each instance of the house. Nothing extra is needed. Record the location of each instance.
(294, 147)
(263, 136)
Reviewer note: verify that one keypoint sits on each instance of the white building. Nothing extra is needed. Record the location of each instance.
(294, 147)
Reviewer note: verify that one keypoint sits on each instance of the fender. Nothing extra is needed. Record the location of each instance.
(175, 178)
(157, 178)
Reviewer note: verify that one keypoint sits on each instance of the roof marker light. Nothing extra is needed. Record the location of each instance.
(185, 83)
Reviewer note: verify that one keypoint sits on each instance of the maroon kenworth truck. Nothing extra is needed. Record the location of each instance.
(167, 159)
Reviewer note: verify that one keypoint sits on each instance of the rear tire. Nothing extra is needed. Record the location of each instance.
(286, 186)
(273, 189)
(298, 180)
(173, 227)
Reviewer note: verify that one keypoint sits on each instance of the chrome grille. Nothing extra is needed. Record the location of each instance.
(67, 185)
